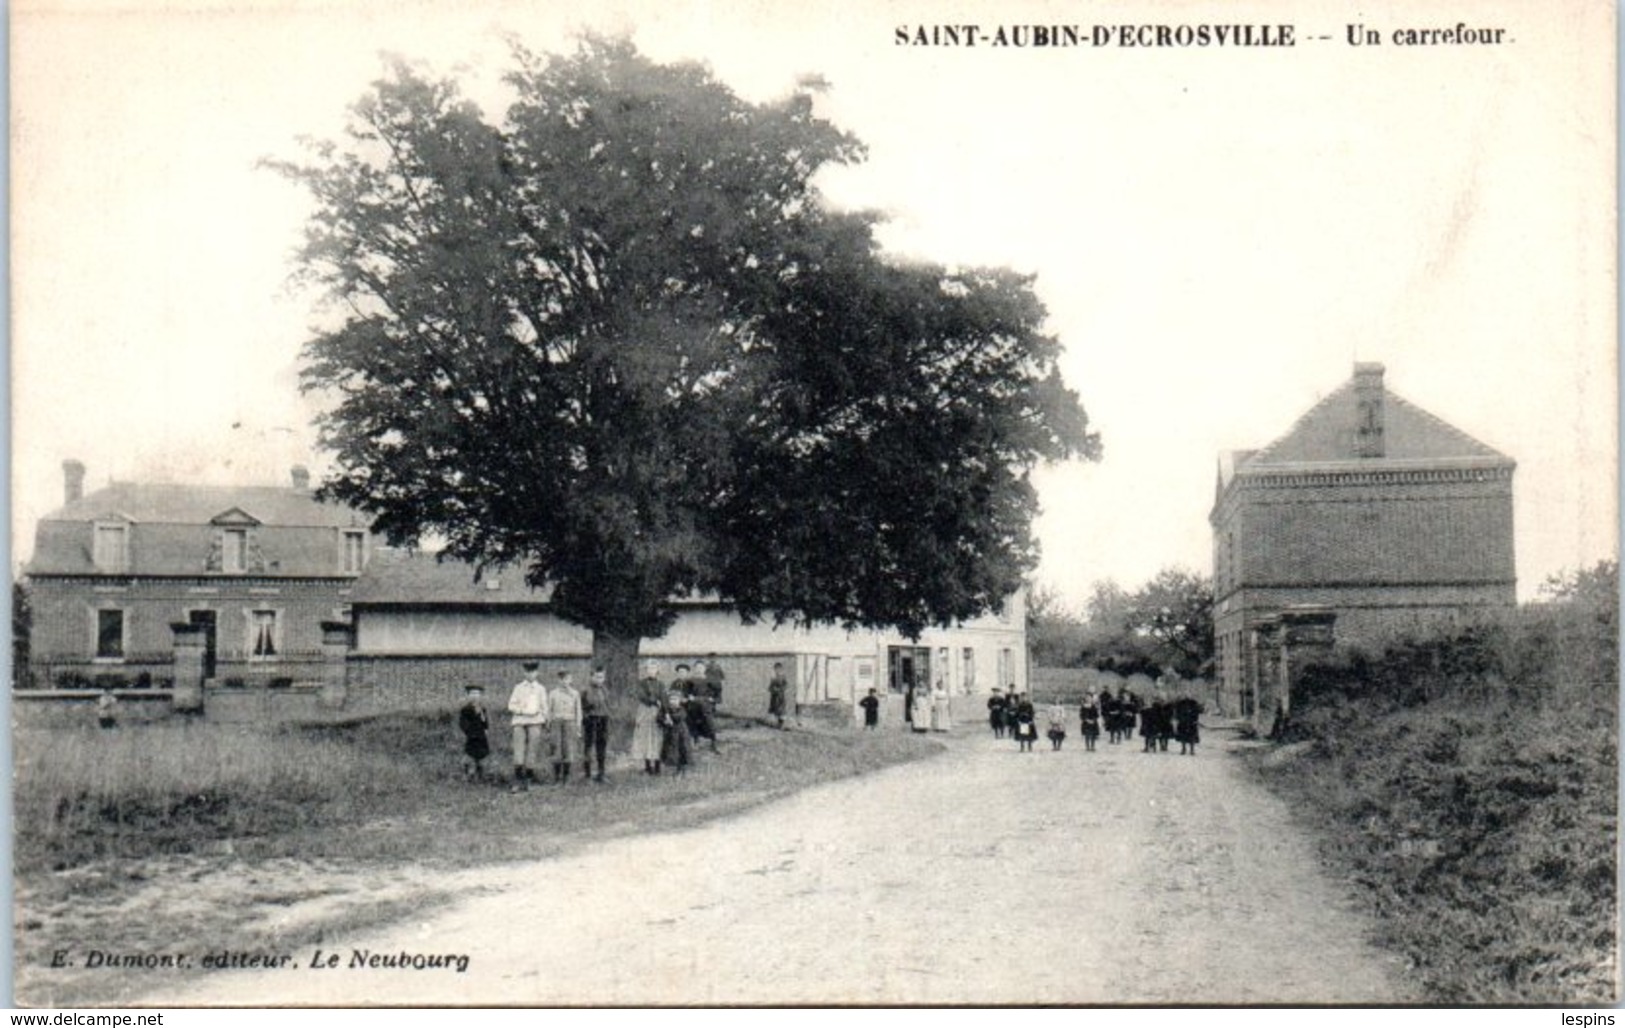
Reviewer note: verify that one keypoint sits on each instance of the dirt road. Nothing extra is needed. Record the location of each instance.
(982, 876)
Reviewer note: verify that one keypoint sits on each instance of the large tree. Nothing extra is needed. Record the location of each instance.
(616, 339)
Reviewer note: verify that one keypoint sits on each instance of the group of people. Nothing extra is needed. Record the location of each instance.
(1164, 718)
(1013, 715)
(567, 726)
(925, 709)
(670, 719)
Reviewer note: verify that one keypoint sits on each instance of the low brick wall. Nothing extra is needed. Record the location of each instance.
(61, 708)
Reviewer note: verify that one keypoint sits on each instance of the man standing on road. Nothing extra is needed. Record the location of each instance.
(527, 709)
(995, 712)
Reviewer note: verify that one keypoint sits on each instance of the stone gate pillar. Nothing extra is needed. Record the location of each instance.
(1306, 634)
(1264, 671)
(189, 645)
(337, 637)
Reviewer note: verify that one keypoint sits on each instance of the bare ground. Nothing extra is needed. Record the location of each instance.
(982, 876)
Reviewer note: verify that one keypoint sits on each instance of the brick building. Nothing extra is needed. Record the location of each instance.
(1369, 510)
(257, 567)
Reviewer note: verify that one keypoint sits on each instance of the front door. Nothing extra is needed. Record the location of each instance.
(205, 618)
(909, 665)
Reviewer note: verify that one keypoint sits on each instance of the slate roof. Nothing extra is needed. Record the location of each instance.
(413, 577)
(173, 530)
(1326, 433)
(179, 504)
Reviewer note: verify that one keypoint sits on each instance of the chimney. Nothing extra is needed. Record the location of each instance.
(1368, 440)
(301, 477)
(73, 480)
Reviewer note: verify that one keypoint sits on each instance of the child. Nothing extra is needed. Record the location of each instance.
(778, 696)
(1089, 715)
(475, 724)
(871, 709)
(1057, 726)
(527, 711)
(107, 709)
(675, 745)
(564, 725)
(595, 720)
(1187, 720)
(1023, 722)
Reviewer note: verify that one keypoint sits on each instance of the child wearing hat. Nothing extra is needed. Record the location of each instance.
(475, 724)
(871, 709)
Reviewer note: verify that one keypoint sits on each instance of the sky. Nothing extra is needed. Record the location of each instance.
(1217, 233)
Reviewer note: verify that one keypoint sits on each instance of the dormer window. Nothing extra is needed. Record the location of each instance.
(111, 550)
(234, 551)
(354, 554)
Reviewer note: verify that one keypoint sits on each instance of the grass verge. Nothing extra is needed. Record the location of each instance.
(1480, 830)
(220, 837)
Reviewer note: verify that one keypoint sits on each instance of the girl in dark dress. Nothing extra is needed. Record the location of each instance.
(1151, 725)
(676, 745)
(1089, 714)
(1187, 724)
(475, 725)
(1026, 725)
(1110, 715)
(995, 713)
(1128, 706)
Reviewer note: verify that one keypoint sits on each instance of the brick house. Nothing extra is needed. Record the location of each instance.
(1370, 514)
(426, 627)
(257, 567)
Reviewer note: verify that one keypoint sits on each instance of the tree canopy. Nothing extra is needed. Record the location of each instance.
(616, 338)
(1166, 624)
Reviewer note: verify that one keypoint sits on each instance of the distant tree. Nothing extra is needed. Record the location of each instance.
(1596, 586)
(615, 339)
(1175, 611)
(1581, 611)
(1107, 606)
(1167, 624)
(1054, 633)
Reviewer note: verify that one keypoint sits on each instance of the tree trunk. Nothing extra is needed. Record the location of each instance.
(619, 657)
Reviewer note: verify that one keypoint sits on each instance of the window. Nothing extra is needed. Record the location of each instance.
(109, 635)
(355, 552)
(112, 551)
(264, 642)
(967, 677)
(234, 551)
(1007, 668)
